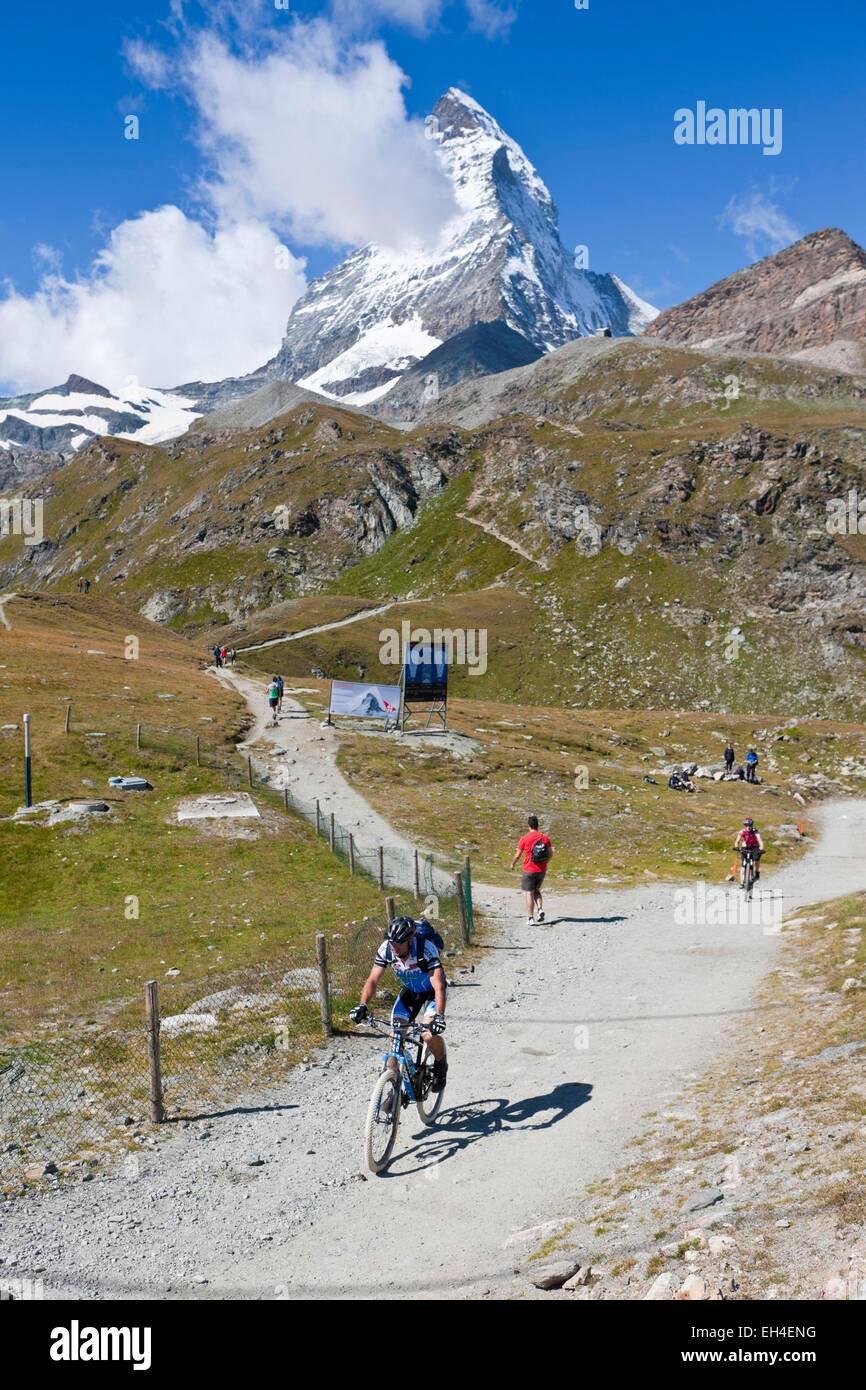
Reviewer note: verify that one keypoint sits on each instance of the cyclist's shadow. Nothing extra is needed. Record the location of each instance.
(464, 1125)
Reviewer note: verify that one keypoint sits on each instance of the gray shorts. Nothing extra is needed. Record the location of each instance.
(530, 883)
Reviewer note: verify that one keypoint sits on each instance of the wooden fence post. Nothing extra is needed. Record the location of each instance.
(391, 909)
(382, 868)
(417, 877)
(68, 716)
(461, 907)
(286, 798)
(151, 995)
(197, 751)
(351, 854)
(318, 819)
(331, 832)
(324, 984)
(138, 737)
(250, 770)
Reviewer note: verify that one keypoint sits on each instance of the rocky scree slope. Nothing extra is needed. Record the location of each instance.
(808, 300)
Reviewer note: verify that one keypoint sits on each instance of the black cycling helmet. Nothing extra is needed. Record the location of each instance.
(748, 824)
(401, 929)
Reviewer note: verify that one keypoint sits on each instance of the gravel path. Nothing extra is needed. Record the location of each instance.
(559, 1042)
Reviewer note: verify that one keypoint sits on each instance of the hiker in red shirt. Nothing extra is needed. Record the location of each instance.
(537, 853)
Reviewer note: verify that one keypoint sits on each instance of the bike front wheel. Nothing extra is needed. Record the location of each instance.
(383, 1119)
(429, 1102)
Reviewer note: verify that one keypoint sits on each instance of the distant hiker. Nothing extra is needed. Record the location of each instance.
(751, 766)
(680, 781)
(217, 657)
(233, 656)
(282, 684)
(87, 586)
(537, 853)
(362, 671)
(730, 756)
(274, 698)
(224, 656)
(80, 585)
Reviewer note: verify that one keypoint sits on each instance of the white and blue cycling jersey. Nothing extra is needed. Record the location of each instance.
(415, 969)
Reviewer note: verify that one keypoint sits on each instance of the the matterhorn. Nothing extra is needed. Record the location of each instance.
(499, 268)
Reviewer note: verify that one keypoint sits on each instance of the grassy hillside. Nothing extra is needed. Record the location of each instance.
(585, 774)
(209, 900)
(609, 530)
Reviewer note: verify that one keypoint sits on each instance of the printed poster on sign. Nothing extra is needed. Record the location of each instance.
(356, 700)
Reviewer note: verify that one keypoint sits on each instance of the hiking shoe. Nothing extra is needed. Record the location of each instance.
(539, 917)
(530, 921)
(440, 1076)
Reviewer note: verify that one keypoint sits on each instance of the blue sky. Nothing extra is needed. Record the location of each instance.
(590, 95)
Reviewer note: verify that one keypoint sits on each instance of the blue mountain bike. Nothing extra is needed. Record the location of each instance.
(408, 1082)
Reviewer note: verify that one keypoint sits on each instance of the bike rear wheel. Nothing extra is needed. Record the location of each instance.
(429, 1102)
(383, 1119)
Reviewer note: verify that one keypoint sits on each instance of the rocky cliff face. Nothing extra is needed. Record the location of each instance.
(808, 297)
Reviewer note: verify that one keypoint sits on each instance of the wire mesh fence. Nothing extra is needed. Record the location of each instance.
(68, 1101)
(72, 1092)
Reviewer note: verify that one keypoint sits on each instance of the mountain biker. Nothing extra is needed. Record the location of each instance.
(415, 961)
(274, 697)
(750, 841)
(537, 853)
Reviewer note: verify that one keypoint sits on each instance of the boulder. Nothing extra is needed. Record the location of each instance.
(554, 1274)
(189, 1023)
(661, 1289)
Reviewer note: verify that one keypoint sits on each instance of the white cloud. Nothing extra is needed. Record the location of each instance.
(305, 133)
(317, 141)
(165, 300)
(490, 19)
(762, 223)
(151, 64)
(420, 15)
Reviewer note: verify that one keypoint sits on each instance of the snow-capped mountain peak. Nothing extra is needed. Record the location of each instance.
(63, 418)
(360, 327)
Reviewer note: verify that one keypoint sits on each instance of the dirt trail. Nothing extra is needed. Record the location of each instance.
(561, 1040)
(324, 627)
(490, 529)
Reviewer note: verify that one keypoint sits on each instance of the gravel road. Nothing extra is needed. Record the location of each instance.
(563, 1037)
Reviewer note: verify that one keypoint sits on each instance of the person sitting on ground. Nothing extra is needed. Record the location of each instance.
(680, 781)
(537, 853)
(413, 955)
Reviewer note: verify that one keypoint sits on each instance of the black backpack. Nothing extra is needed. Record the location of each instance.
(539, 854)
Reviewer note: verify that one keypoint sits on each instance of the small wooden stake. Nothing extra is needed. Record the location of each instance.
(331, 832)
(68, 717)
(461, 907)
(138, 736)
(417, 877)
(382, 868)
(250, 770)
(391, 909)
(351, 854)
(197, 751)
